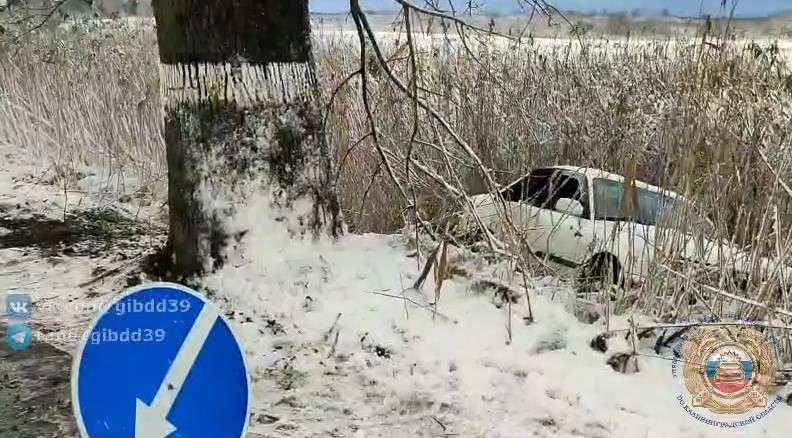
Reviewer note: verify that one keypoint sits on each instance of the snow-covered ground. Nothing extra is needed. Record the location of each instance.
(112, 224)
(335, 350)
(394, 372)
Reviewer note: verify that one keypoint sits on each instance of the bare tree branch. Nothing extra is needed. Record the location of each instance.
(355, 6)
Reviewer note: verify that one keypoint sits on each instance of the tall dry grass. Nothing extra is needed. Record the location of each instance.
(86, 95)
(712, 124)
(675, 113)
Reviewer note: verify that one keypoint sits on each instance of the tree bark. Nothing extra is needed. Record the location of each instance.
(242, 119)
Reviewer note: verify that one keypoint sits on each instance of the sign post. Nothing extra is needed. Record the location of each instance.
(161, 362)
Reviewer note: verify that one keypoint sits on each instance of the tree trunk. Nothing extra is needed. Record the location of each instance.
(242, 118)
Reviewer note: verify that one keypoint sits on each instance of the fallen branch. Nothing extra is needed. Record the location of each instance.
(327, 334)
(423, 306)
(122, 269)
(425, 272)
(441, 272)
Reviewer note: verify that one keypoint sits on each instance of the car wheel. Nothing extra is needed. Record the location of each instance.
(601, 272)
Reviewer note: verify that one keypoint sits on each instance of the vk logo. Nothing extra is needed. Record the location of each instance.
(19, 306)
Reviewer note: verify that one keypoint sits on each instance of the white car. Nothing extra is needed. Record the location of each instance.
(590, 218)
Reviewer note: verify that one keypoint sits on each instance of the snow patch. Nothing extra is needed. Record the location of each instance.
(335, 350)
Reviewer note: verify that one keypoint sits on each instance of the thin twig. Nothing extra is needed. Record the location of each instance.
(730, 295)
(423, 306)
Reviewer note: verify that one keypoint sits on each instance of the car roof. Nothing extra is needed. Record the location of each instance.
(592, 173)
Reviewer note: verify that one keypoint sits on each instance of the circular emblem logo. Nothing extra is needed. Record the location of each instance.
(729, 373)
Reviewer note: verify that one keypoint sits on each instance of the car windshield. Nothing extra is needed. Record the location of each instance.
(533, 188)
(610, 203)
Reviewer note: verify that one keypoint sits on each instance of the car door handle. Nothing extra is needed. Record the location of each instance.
(578, 233)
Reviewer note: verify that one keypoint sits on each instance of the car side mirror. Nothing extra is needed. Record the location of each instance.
(569, 206)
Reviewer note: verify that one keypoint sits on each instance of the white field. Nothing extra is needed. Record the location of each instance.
(547, 45)
(329, 33)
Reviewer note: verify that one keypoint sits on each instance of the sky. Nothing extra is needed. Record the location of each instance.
(675, 7)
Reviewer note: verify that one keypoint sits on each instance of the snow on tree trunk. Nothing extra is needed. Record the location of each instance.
(242, 118)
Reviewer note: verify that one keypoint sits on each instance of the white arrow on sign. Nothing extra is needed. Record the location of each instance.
(151, 421)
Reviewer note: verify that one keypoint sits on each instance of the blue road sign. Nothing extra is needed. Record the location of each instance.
(19, 306)
(19, 337)
(161, 361)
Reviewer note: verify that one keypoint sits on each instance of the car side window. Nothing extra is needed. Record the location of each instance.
(514, 192)
(543, 187)
(570, 186)
(645, 208)
(537, 192)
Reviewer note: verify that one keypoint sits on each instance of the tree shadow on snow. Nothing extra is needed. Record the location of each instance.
(92, 233)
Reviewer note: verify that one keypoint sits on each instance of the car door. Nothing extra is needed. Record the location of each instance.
(514, 196)
(532, 213)
(681, 233)
(522, 200)
(625, 218)
(572, 232)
